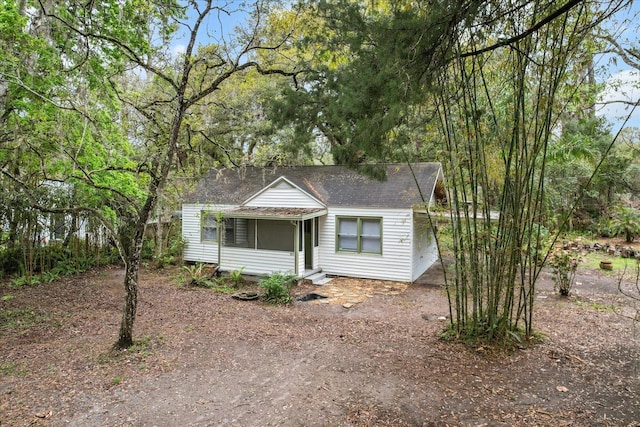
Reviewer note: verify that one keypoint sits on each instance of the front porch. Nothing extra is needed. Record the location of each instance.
(265, 240)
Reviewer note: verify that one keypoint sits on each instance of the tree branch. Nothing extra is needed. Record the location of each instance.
(125, 48)
(224, 149)
(538, 25)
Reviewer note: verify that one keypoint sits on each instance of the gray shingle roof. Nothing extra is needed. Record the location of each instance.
(333, 185)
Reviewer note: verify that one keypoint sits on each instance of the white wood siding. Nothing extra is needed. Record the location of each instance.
(393, 264)
(408, 247)
(425, 250)
(316, 257)
(195, 249)
(283, 195)
(256, 261)
(301, 262)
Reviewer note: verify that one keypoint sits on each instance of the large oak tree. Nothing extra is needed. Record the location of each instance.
(128, 94)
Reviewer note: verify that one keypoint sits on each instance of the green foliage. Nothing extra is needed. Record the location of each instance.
(26, 280)
(367, 76)
(625, 221)
(10, 261)
(19, 318)
(53, 260)
(224, 288)
(50, 276)
(229, 284)
(147, 250)
(172, 254)
(277, 288)
(199, 275)
(12, 368)
(572, 159)
(236, 277)
(564, 264)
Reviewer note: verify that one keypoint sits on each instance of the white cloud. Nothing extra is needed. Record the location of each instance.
(179, 49)
(621, 88)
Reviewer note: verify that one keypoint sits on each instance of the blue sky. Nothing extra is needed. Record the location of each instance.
(622, 81)
(218, 27)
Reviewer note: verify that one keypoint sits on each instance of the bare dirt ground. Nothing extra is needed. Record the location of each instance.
(205, 359)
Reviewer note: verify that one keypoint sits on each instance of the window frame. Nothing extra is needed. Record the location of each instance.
(358, 234)
(204, 216)
(232, 226)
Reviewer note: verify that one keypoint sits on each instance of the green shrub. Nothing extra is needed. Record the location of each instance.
(625, 221)
(564, 265)
(277, 287)
(147, 250)
(54, 259)
(236, 277)
(172, 255)
(10, 261)
(49, 276)
(198, 275)
(25, 280)
(176, 246)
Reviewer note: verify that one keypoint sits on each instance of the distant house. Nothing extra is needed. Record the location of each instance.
(44, 228)
(309, 219)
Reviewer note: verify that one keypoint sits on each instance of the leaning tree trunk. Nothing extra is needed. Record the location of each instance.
(132, 265)
(132, 261)
(125, 338)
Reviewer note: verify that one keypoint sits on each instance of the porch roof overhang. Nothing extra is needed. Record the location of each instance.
(253, 212)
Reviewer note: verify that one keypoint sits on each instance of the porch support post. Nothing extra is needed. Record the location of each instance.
(296, 247)
(219, 236)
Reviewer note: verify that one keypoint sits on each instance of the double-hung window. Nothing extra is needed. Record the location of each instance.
(209, 226)
(359, 234)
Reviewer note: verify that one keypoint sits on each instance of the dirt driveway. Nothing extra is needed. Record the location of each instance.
(205, 359)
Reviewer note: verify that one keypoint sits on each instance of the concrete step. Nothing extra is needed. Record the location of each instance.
(319, 278)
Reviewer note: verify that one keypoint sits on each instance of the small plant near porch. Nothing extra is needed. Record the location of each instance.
(199, 275)
(236, 278)
(277, 288)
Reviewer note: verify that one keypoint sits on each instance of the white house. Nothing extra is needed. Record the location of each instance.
(308, 219)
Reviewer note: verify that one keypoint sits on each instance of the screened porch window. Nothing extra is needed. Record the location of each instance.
(275, 235)
(361, 234)
(239, 232)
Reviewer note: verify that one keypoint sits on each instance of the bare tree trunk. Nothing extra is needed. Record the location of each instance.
(73, 229)
(159, 237)
(125, 338)
(132, 266)
(12, 237)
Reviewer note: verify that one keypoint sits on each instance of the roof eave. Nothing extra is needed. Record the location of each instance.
(277, 217)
